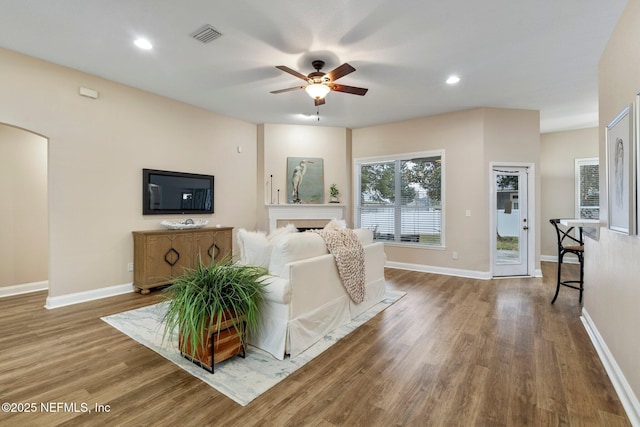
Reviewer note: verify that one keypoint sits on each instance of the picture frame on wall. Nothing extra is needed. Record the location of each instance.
(305, 182)
(621, 171)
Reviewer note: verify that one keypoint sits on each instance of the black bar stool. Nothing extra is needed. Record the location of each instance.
(563, 249)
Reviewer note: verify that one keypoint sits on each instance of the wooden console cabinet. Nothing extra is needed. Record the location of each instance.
(159, 256)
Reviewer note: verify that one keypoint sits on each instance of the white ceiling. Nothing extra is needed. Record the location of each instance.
(530, 54)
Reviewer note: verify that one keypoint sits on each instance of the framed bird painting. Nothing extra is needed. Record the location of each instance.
(305, 180)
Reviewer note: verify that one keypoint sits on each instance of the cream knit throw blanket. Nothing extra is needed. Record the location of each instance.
(348, 252)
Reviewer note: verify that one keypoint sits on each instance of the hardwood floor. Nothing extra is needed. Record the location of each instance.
(453, 351)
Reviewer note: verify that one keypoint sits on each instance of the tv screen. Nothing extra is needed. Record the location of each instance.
(165, 192)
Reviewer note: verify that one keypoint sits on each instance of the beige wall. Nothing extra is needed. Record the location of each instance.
(612, 288)
(24, 233)
(471, 140)
(559, 150)
(97, 150)
(277, 142)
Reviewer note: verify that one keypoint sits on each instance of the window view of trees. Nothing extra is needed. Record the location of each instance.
(401, 200)
(377, 183)
(507, 182)
(425, 174)
(588, 189)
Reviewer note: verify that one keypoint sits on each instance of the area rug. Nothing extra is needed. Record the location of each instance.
(240, 379)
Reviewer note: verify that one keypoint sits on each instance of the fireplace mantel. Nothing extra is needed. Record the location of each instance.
(295, 212)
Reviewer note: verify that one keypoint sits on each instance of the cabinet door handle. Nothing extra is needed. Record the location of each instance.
(177, 257)
(213, 251)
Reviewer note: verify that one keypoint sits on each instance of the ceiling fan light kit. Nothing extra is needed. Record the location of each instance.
(143, 44)
(453, 79)
(317, 90)
(319, 84)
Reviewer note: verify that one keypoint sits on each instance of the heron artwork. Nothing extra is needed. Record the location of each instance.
(296, 179)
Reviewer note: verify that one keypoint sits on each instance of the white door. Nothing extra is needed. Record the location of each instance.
(510, 237)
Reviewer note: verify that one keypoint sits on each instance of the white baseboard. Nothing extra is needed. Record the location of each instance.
(472, 274)
(94, 294)
(7, 291)
(620, 384)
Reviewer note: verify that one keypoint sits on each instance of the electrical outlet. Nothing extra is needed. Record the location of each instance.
(454, 255)
(130, 266)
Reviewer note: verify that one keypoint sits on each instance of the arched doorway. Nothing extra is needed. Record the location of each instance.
(24, 231)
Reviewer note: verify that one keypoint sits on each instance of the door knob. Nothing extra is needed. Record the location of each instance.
(525, 228)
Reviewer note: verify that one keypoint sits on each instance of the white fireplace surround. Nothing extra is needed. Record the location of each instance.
(309, 212)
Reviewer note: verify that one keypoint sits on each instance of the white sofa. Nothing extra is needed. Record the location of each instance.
(305, 297)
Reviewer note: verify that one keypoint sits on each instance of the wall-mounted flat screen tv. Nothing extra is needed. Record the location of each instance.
(165, 192)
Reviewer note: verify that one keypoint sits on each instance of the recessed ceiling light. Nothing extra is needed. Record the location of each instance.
(143, 44)
(453, 80)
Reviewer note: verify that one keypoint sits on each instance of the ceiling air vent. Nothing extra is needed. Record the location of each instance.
(206, 34)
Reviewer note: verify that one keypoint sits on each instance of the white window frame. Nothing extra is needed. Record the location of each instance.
(578, 163)
(391, 158)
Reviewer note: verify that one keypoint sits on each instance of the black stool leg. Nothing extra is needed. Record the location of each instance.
(560, 256)
(581, 259)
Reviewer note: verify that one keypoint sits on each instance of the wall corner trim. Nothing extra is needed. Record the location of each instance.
(94, 294)
(620, 384)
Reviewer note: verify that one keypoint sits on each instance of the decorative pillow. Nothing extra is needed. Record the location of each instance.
(294, 247)
(279, 232)
(254, 247)
(336, 224)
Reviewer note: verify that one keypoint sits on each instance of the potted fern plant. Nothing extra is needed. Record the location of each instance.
(213, 307)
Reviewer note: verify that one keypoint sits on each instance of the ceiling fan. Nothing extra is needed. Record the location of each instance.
(320, 84)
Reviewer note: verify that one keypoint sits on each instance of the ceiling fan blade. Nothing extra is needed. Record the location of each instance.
(288, 89)
(292, 72)
(318, 102)
(340, 71)
(349, 89)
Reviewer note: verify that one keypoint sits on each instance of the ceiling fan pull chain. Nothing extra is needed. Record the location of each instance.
(318, 112)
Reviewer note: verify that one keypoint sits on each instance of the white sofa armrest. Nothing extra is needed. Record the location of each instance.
(314, 282)
(375, 260)
(278, 289)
